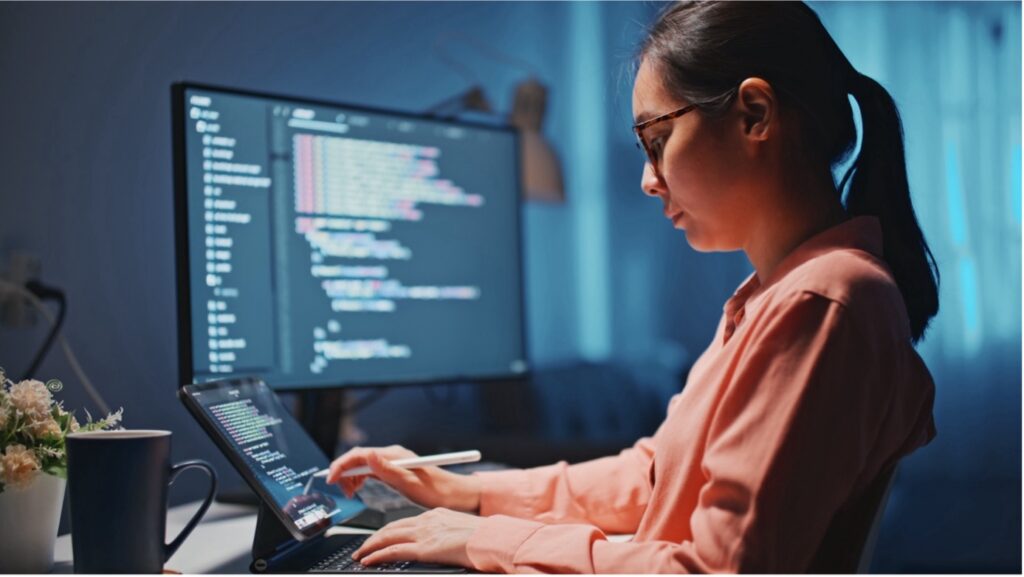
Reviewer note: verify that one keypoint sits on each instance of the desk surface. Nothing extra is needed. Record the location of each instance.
(221, 543)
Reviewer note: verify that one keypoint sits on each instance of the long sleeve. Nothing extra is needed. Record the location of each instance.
(794, 432)
(611, 493)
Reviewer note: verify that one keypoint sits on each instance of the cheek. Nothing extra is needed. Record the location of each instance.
(700, 183)
(706, 186)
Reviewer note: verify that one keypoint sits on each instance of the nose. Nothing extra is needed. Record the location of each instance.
(650, 182)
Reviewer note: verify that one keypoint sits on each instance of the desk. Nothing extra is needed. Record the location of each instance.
(221, 543)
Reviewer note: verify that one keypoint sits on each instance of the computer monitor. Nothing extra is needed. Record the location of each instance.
(327, 245)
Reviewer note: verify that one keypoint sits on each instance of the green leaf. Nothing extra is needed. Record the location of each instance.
(60, 471)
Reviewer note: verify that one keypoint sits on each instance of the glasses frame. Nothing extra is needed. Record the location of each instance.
(638, 130)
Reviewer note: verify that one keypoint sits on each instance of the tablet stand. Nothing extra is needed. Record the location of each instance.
(268, 540)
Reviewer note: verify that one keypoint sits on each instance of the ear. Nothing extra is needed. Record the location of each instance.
(757, 107)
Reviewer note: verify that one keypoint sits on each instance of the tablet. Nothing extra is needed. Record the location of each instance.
(272, 452)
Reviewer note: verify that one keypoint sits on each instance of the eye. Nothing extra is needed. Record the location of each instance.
(657, 146)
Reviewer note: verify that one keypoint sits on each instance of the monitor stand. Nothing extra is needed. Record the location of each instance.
(320, 413)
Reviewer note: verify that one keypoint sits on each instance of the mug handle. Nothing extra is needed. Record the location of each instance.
(176, 470)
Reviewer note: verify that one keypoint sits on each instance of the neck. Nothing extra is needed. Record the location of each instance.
(790, 224)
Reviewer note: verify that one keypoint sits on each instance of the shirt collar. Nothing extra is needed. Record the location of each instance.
(858, 233)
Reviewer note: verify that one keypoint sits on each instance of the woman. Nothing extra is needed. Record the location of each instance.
(811, 389)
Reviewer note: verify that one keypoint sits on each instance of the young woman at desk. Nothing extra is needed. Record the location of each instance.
(811, 388)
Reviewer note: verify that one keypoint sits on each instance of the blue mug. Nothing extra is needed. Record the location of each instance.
(118, 482)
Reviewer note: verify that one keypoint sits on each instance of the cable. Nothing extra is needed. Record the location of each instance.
(72, 360)
(44, 292)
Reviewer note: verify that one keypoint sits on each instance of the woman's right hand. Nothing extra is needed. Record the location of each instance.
(430, 487)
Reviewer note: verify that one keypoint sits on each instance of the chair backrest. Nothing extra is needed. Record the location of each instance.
(849, 543)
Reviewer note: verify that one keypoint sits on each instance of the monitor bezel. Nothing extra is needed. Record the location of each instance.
(181, 247)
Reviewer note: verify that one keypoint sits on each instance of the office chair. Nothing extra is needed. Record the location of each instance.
(849, 543)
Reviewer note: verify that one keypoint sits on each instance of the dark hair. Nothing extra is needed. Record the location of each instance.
(703, 50)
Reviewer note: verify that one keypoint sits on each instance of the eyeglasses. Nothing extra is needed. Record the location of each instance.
(654, 149)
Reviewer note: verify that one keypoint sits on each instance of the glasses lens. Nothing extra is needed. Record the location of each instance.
(642, 147)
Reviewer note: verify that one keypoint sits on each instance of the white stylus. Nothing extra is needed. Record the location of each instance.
(415, 462)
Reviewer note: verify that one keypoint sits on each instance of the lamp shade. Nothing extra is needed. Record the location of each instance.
(542, 172)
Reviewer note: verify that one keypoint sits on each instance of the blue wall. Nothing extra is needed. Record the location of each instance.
(86, 159)
(955, 71)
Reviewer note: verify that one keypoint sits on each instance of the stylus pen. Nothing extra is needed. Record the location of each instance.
(415, 462)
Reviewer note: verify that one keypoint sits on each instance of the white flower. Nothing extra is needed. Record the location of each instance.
(45, 451)
(110, 422)
(5, 403)
(31, 398)
(45, 427)
(72, 423)
(18, 467)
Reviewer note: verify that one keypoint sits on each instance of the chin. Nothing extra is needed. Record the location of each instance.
(696, 241)
(702, 243)
(699, 247)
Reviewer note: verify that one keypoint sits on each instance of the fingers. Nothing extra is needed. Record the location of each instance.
(388, 536)
(437, 536)
(351, 459)
(393, 452)
(357, 457)
(349, 485)
(382, 468)
(402, 552)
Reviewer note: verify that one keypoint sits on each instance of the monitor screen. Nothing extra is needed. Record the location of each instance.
(324, 245)
(269, 448)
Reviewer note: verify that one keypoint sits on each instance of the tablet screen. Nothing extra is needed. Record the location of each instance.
(274, 451)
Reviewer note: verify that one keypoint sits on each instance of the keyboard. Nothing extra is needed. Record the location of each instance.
(341, 561)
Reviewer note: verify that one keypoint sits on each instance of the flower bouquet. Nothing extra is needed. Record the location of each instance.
(33, 470)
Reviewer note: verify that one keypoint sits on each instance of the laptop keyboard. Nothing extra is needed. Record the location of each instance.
(342, 561)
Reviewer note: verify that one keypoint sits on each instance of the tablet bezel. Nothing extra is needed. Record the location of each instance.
(235, 458)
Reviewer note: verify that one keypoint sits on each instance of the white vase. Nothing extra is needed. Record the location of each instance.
(29, 519)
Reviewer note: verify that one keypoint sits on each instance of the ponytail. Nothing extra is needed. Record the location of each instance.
(878, 187)
(705, 48)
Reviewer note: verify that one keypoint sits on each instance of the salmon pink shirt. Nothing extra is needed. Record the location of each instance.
(810, 389)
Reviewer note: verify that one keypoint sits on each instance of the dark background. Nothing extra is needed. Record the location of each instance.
(617, 304)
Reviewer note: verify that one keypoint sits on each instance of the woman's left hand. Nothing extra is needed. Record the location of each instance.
(436, 536)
